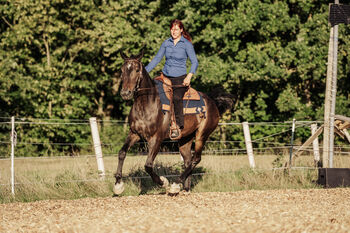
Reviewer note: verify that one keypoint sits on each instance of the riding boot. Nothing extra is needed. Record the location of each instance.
(178, 94)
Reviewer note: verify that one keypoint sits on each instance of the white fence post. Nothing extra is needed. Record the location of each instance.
(248, 144)
(97, 146)
(315, 144)
(13, 142)
(291, 144)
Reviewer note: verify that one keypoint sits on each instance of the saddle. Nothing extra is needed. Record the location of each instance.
(190, 94)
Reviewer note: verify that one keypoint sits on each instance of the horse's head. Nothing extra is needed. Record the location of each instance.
(131, 75)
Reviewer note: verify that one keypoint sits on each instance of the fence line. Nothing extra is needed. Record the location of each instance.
(97, 144)
(56, 119)
(256, 141)
(58, 122)
(223, 151)
(113, 144)
(89, 144)
(122, 121)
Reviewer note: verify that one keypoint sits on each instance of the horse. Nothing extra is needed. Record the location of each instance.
(148, 121)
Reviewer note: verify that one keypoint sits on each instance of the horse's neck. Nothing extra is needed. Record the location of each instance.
(147, 89)
(147, 82)
(147, 99)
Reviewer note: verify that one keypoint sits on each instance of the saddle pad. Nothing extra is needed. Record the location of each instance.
(190, 106)
(191, 94)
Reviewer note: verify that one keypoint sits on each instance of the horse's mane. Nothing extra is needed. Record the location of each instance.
(145, 73)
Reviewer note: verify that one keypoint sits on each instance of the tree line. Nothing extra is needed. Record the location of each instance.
(59, 59)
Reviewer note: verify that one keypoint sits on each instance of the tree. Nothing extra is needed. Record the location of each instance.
(59, 59)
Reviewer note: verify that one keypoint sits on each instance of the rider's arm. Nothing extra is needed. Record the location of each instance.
(156, 59)
(192, 56)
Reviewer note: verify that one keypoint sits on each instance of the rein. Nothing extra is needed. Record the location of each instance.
(138, 88)
(150, 88)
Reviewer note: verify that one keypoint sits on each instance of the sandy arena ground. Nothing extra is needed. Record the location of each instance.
(317, 210)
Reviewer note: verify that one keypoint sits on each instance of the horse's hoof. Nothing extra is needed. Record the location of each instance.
(174, 189)
(165, 182)
(185, 192)
(118, 188)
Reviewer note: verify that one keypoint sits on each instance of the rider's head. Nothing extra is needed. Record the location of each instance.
(177, 25)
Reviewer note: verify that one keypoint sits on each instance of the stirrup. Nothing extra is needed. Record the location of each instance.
(173, 135)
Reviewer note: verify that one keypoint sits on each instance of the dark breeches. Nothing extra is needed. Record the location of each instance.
(178, 94)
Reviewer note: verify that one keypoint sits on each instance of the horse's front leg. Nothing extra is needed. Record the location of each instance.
(129, 142)
(154, 145)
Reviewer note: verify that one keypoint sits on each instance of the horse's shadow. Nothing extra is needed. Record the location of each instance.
(140, 177)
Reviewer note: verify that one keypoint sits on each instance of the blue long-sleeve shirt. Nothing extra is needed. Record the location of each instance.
(175, 57)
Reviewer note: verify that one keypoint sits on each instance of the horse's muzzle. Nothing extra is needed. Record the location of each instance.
(126, 94)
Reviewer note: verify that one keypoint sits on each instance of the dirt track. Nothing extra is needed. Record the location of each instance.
(245, 211)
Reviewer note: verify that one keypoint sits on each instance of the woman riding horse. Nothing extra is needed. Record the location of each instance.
(177, 49)
(148, 121)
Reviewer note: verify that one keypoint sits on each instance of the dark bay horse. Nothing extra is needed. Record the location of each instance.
(147, 121)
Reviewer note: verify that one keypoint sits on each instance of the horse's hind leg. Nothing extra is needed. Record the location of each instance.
(129, 142)
(196, 158)
(185, 150)
(153, 145)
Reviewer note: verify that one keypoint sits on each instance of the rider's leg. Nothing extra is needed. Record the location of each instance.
(178, 94)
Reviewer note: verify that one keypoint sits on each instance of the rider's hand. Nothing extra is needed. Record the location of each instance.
(187, 80)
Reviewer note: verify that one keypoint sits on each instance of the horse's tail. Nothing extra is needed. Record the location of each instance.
(223, 100)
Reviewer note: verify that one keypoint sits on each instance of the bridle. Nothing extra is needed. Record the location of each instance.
(139, 76)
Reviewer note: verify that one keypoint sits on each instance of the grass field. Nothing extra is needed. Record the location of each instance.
(77, 177)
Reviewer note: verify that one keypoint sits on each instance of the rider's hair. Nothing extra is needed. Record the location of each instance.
(181, 26)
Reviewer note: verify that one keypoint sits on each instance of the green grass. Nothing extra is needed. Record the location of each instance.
(76, 177)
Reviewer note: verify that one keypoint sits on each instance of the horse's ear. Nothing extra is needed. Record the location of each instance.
(140, 55)
(123, 55)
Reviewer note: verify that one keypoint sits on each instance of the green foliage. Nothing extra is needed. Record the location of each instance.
(60, 59)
